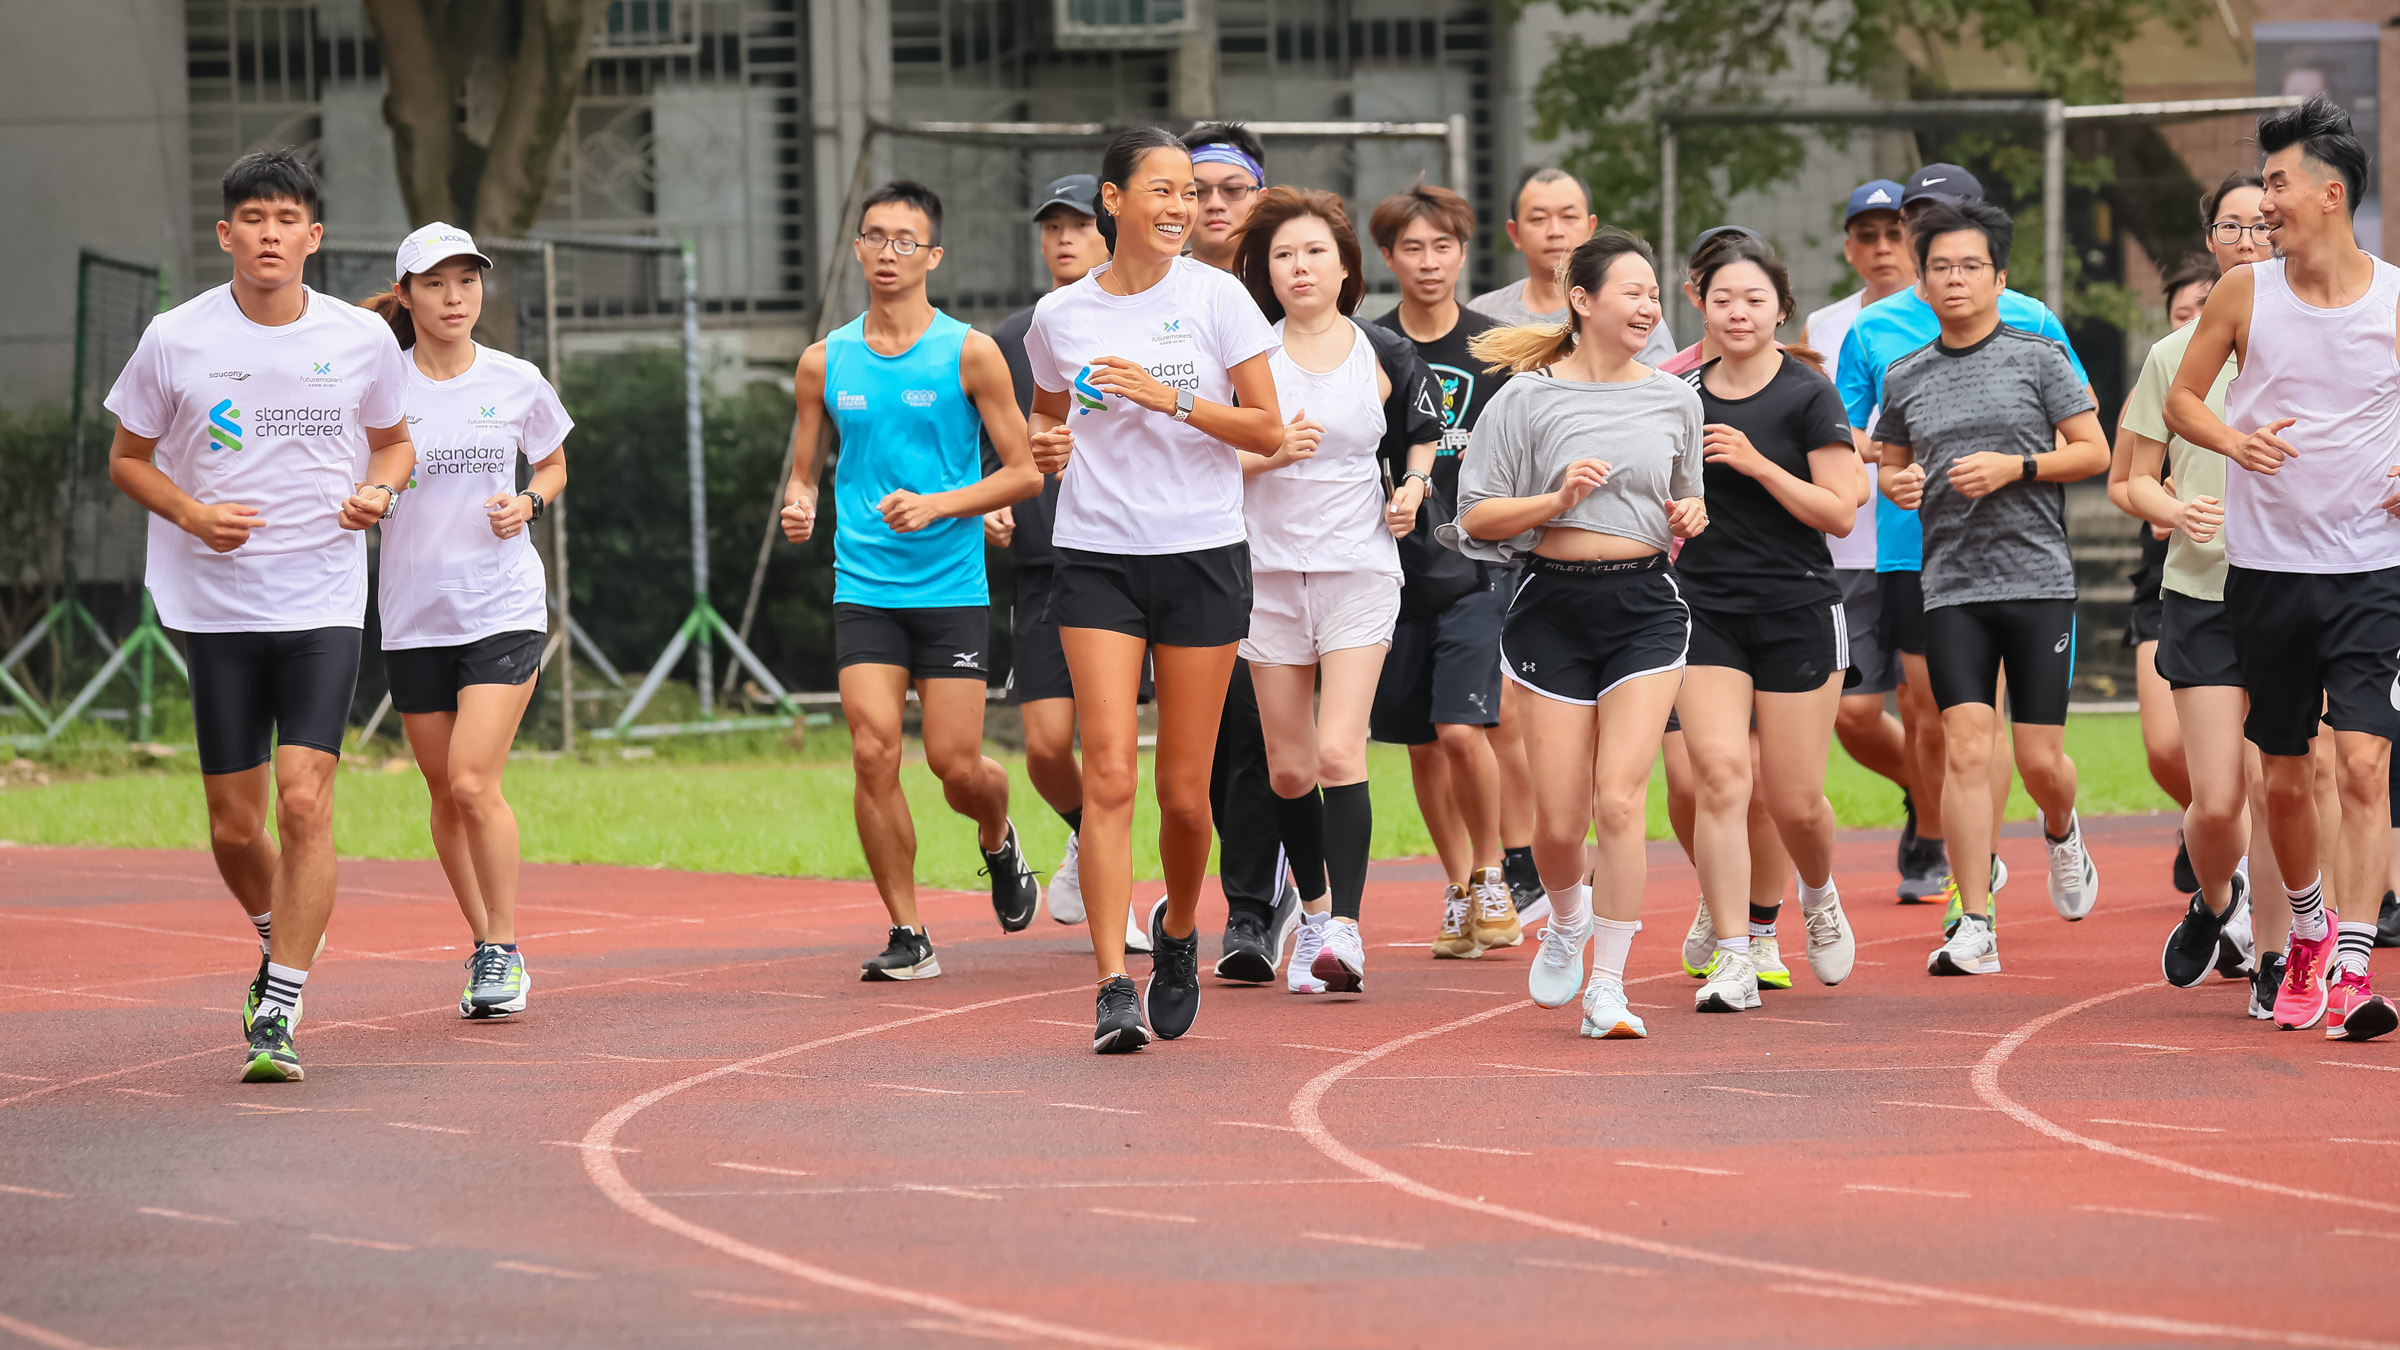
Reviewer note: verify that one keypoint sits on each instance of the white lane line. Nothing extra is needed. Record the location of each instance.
(2155, 1125)
(2395, 1142)
(1329, 1049)
(1940, 1031)
(770, 1073)
(269, 1106)
(1798, 1021)
(24, 1077)
(751, 1300)
(1905, 1190)
(2365, 1232)
(587, 1145)
(904, 1087)
(1079, 1106)
(916, 1007)
(1537, 1068)
(369, 1243)
(28, 1190)
(2351, 1064)
(959, 1191)
(1054, 1022)
(144, 1092)
(41, 1336)
(486, 1040)
(1677, 1167)
(429, 1129)
(1596, 1267)
(2139, 1045)
(1472, 1148)
(981, 1333)
(1853, 1295)
(1460, 989)
(1142, 1214)
(523, 1268)
(1362, 1240)
(190, 1218)
(1940, 1106)
(1144, 1185)
(1408, 944)
(2147, 1213)
(771, 993)
(1749, 1092)
(755, 1167)
(1260, 1125)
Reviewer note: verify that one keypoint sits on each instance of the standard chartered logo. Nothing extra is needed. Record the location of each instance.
(1088, 398)
(224, 428)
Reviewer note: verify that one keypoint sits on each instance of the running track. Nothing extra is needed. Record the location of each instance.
(708, 1132)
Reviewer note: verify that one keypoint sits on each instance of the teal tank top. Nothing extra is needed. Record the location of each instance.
(904, 422)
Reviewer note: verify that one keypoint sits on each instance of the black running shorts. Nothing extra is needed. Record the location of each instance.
(1786, 651)
(944, 643)
(1967, 645)
(1901, 625)
(2195, 643)
(2308, 641)
(1442, 671)
(1198, 599)
(427, 679)
(1577, 630)
(1037, 666)
(252, 692)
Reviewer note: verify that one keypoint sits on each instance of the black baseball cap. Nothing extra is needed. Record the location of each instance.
(1078, 192)
(1942, 183)
(1713, 231)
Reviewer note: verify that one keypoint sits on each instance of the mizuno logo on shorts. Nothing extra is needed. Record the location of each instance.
(967, 660)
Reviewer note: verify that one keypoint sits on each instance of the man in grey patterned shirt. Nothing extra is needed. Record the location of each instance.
(1980, 429)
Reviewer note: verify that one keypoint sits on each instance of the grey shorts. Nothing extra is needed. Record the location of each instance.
(1878, 666)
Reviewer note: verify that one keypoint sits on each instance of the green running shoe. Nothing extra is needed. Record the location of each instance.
(258, 990)
(272, 1059)
(1958, 905)
(496, 985)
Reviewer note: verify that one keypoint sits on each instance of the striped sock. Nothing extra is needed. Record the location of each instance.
(1762, 920)
(2308, 910)
(2354, 944)
(262, 922)
(283, 991)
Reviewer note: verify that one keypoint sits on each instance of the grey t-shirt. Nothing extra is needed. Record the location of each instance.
(1647, 431)
(2005, 394)
(1507, 305)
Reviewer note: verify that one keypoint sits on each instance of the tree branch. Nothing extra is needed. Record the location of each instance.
(419, 107)
(543, 86)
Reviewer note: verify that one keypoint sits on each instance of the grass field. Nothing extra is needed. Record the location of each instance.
(739, 805)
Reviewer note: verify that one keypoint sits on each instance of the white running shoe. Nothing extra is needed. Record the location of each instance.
(1135, 939)
(1556, 975)
(1832, 950)
(1973, 949)
(1300, 976)
(1341, 963)
(1700, 943)
(1606, 1017)
(2074, 882)
(1732, 985)
(1065, 896)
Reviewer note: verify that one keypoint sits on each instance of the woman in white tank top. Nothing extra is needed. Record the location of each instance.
(1325, 572)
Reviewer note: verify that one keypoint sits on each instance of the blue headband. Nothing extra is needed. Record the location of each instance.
(1218, 152)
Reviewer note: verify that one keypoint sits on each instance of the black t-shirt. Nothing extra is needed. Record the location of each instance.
(1034, 514)
(1755, 556)
(1466, 386)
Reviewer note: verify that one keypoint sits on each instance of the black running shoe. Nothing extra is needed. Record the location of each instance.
(1118, 1029)
(2387, 923)
(258, 990)
(1015, 892)
(1172, 998)
(1245, 959)
(2264, 981)
(2186, 880)
(2192, 947)
(271, 1058)
(1908, 831)
(908, 956)
(1525, 888)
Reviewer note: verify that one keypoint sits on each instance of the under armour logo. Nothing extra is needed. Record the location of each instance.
(967, 660)
(2063, 640)
(1525, 667)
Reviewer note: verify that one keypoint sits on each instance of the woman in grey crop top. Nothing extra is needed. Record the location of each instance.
(1586, 470)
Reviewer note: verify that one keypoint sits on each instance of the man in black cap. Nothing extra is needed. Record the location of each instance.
(1071, 246)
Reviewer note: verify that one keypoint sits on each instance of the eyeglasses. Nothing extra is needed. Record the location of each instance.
(875, 244)
(1965, 271)
(1234, 194)
(2229, 232)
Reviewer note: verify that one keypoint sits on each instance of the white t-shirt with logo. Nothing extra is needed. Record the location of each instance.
(1824, 331)
(271, 418)
(447, 579)
(1140, 482)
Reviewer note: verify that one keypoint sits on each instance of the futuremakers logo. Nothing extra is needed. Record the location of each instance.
(224, 432)
(1087, 398)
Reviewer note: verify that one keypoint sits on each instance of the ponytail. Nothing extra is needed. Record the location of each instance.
(388, 306)
(1529, 347)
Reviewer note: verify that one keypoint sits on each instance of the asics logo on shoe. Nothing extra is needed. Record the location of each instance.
(967, 661)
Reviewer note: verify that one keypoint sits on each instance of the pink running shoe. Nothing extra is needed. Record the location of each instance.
(2354, 1011)
(2301, 1001)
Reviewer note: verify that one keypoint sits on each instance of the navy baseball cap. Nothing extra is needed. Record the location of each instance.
(1881, 195)
(1078, 192)
(1941, 183)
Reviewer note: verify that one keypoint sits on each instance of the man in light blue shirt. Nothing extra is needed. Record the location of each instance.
(1883, 333)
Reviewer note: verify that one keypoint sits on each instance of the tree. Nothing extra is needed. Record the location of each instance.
(481, 91)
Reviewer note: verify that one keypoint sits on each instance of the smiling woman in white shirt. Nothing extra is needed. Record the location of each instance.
(462, 589)
(1153, 377)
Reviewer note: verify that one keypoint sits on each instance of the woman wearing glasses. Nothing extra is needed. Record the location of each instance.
(1139, 367)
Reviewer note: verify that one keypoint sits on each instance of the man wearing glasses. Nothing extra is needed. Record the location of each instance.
(1229, 164)
(908, 388)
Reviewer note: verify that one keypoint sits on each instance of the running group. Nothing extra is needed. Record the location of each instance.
(1526, 537)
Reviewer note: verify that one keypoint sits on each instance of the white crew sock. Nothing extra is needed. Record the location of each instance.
(1816, 897)
(1612, 940)
(283, 991)
(1571, 908)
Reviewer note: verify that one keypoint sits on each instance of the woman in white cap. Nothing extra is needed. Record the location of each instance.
(462, 591)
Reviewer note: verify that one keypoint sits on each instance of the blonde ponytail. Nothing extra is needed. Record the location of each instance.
(1526, 347)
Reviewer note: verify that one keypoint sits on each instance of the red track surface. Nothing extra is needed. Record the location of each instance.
(707, 1131)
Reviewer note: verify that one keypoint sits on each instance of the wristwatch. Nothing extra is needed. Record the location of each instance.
(1426, 479)
(2033, 469)
(538, 504)
(391, 499)
(1183, 405)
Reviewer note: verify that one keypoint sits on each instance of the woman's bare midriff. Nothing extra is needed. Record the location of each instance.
(1565, 543)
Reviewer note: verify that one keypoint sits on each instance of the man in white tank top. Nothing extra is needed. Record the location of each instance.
(2312, 539)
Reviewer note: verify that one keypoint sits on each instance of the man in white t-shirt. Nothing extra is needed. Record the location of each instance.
(262, 425)
(1875, 244)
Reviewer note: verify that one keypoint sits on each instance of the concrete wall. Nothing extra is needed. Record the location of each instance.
(94, 143)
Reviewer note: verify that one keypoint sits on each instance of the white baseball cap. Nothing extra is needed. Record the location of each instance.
(431, 246)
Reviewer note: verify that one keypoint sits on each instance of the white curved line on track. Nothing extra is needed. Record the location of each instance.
(600, 1164)
(1306, 1116)
(1986, 1081)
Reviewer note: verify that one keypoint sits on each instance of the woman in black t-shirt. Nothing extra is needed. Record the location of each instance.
(1767, 645)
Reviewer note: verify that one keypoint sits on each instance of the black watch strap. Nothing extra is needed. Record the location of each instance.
(538, 504)
(2033, 468)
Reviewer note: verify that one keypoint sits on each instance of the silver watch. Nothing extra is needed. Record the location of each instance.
(1183, 405)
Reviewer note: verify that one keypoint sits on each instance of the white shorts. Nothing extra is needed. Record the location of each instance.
(1297, 617)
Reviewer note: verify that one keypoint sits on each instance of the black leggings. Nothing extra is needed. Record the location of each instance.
(254, 691)
(1241, 801)
(1967, 645)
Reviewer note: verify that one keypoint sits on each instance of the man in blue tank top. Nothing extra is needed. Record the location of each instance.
(907, 388)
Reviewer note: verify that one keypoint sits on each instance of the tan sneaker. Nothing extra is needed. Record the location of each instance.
(1495, 920)
(1456, 940)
